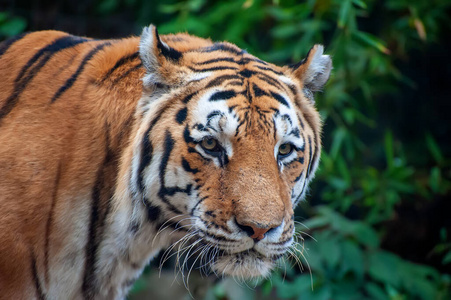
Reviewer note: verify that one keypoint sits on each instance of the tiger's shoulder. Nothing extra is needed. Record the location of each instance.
(56, 55)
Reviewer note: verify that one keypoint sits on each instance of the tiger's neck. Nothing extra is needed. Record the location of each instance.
(114, 256)
(128, 239)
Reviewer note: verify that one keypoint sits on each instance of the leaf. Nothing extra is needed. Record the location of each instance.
(360, 3)
(434, 149)
(435, 179)
(13, 26)
(107, 6)
(339, 136)
(447, 259)
(370, 40)
(285, 31)
(316, 222)
(329, 249)
(292, 289)
(3, 16)
(375, 291)
(352, 259)
(322, 292)
(367, 236)
(344, 13)
(384, 267)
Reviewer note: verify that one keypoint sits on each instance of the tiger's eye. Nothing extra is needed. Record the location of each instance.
(285, 149)
(209, 144)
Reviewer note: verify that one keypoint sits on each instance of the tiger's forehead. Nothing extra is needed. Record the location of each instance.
(230, 63)
(239, 93)
(235, 73)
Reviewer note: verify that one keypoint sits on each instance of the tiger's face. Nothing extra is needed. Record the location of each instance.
(226, 147)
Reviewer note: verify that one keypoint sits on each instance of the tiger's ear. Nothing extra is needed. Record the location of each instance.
(158, 58)
(314, 70)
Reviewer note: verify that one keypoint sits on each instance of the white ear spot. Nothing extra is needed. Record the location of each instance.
(318, 70)
(147, 48)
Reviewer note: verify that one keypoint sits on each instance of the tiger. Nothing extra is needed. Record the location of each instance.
(112, 151)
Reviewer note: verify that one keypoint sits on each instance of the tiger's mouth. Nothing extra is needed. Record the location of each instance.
(237, 256)
(251, 260)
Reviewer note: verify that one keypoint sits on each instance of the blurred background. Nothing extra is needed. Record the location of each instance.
(377, 222)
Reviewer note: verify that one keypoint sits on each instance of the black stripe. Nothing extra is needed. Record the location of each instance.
(88, 286)
(5, 45)
(299, 197)
(153, 212)
(270, 81)
(296, 132)
(197, 204)
(293, 89)
(146, 151)
(28, 72)
(287, 118)
(246, 60)
(223, 95)
(70, 82)
(215, 60)
(59, 44)
(300, 121)
(146, 158)
(220, 79)
(218, 68)
(213, 114)
(167, 51)
(238, 82)
(316, 149)
(186, 166)
(300, 175)
(310, 156)
(168, 147)
(270, 70)
(258, 92)
(37, 283)
(101, 196)
(280, 99)
(181, 115)
(186, 135)
(50, 223)
(189, 97)
(310, 145)
(123, 60)
(224, 48)
(125, 74)
(246, 73)
(298, 64)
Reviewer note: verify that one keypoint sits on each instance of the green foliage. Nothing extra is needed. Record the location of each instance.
(347, 263)
(11, 25)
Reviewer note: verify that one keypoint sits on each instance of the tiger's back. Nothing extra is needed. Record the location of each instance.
(71, 123)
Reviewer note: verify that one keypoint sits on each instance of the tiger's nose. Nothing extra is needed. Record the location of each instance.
(255, 230)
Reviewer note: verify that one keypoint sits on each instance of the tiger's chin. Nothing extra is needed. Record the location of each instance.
(244, 265)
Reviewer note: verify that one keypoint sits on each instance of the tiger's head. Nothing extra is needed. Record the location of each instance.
(226, 145)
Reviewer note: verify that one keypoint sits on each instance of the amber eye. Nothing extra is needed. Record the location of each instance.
(210, 145)
(285, 149)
